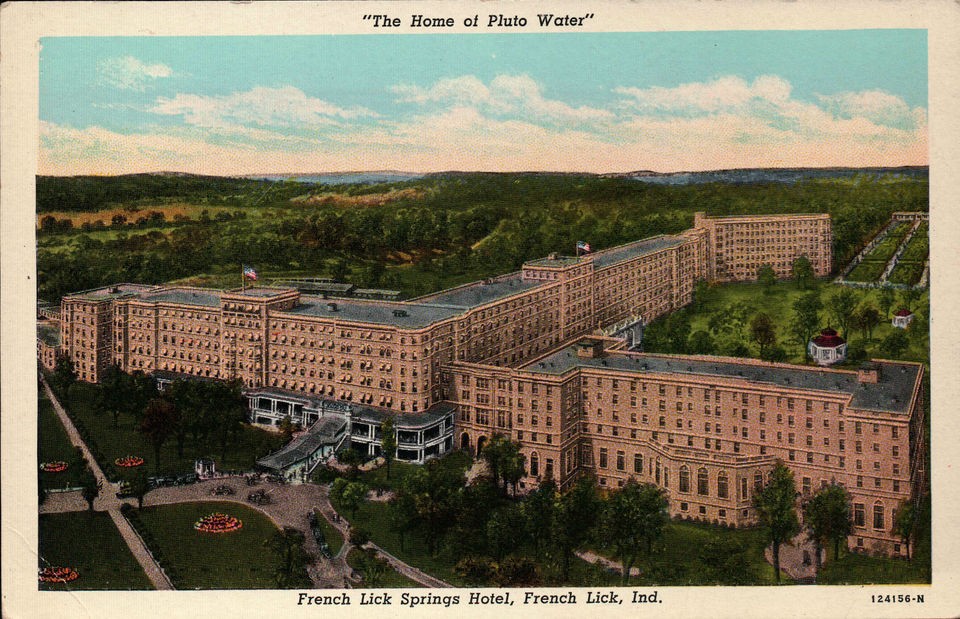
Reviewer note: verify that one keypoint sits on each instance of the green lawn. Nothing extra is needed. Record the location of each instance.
(777, 303)
(391, 579)
(54, 444)
(330, 533)
(858, 569)
(235, 560)
(116, 442)
(89, 543)
(678, 562)
(868, 270)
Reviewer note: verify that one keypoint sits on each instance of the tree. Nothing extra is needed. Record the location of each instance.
(359, 536)
(762, 331)
(841, 307)
(292, 559)
(353, 496)
(633, 518)
(909, 297)
(866, 319)
(157, 425)
(802, 272)
(767, 277)
(538, 510)
(139, 485)
(475, 571)
(63, 375)
(701, 295)
(505, 461)
(701, 343)
(401, 515)
(388, 441)
(434, 489)
(517, 572)
(575, 518)
(806, 318)
(886, 301)
(776, 511)
(373, 567)
(895, 344)
(287, 428)
(90, 486)
(827, 515)
(113, 383)
(905, 523)
(504, 530)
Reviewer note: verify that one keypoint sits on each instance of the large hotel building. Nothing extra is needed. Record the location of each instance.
(529, 355)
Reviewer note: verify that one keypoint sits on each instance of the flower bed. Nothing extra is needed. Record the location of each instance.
(58, 574)
(57, 466)
(129, 461)
(217, 523)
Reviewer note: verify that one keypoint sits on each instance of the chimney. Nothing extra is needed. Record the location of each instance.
(869, 373)
(590, 349)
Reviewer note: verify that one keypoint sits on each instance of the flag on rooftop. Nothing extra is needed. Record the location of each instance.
(250, 273)
(583, 246)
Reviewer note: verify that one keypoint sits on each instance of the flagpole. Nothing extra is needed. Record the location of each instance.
(243, 279)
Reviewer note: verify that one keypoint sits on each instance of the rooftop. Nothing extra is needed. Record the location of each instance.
(115, 291)
(377, 312)
(49, 334)
(403, 420)
(475, 294)
(324, 432)
(260, 292)
(184, 296)
(622, 253)
(891, 394)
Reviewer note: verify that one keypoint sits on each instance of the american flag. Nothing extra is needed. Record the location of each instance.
(583, 246)
(249, 273)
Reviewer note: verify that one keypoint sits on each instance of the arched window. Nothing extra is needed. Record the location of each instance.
(722, 485)
(657, 474)
(534, 464)
(757, 481)
(878, 515)
(666, 477)
(684, 479)
(703, 483)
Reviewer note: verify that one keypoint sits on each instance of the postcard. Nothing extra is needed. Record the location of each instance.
(484, 308)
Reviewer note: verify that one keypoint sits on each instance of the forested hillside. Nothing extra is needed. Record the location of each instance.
(417, 235)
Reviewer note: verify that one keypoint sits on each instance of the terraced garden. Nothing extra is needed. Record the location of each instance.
(871, 268)
(909, 267)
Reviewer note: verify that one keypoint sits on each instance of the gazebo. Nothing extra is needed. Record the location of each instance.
(828, 348)
(902, 318)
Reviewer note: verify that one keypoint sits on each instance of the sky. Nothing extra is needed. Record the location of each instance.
(587, 102)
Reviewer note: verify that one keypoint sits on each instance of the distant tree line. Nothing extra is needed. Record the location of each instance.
(458, 226)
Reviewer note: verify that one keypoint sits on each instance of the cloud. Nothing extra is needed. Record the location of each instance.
(286, 106)
(720, 95)
(875, 105)
(518, 96)
(129, 73)
(506, 124)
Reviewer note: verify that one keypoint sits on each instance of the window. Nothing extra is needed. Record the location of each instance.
(878, 516)
(621, 461)
(603, 457)
(896, 451)
(703, 483)
(638, 463)
(534, 464)
(722, 485)
(684, 479)
(858, 515)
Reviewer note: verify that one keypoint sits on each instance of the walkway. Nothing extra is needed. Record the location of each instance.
(107, 502)
(592, 557)
(291, 507)
(792, 559)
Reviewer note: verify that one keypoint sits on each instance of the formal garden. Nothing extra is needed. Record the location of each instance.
(57, 457)
(90, 547)
(209, 545)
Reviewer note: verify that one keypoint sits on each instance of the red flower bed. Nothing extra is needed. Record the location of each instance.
(58, 574)
(57, 466)
(129, 461)
(217, 523)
